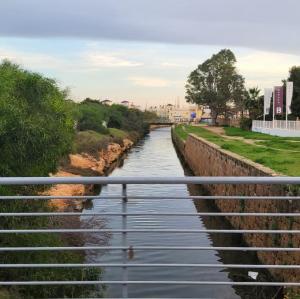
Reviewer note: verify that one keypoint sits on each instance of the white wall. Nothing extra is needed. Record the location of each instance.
(277, 132)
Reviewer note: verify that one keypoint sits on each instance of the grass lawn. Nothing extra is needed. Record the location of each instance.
(278, 153)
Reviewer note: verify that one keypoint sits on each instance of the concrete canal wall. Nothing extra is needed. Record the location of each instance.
(207, 159)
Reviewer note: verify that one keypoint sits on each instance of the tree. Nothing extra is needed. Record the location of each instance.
(92, 116)
(36, 126)
(295, 78)
(254, 103)
(217, 84)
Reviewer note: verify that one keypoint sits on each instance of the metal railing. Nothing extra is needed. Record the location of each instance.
(124, 230)
(277, 124)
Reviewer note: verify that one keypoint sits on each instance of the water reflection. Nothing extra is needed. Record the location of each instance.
(155, 156)
(233, 257)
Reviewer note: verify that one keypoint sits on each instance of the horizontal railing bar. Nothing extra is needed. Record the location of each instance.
(45, 197)
(159, 265)
(46, 248)
(240, 231)
(214, 197)
(158, 282)
(6, 197)
(147, 180)
(220, 214)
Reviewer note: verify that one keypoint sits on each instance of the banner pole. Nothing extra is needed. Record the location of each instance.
(273, 107)
(286, 109)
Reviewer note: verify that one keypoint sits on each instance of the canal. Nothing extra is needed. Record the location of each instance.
(155, 156)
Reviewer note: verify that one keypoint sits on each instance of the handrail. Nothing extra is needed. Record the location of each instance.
(149, 180)
(124, 247)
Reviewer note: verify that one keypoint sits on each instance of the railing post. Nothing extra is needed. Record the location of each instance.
(124, 240)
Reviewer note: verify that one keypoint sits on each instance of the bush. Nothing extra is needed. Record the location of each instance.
(246, 124)
(92, 116)
(91, 142)
(36, 131)
(36, 240)
(118, 133)
(36, 126)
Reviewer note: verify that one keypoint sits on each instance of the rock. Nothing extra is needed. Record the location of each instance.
(127, 143)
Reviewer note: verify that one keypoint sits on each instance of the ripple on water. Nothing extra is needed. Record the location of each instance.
(155, 156)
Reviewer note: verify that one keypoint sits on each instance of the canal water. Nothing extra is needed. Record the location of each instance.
(156, 156)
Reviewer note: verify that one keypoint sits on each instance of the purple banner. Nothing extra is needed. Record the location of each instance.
(278, 100)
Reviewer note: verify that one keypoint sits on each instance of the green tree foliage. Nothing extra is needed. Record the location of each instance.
(295, 78)
(36, 130)
(254, 103)
(93, 114)
(131, 120)
(36, 127)
(216, 83)
(150, 116)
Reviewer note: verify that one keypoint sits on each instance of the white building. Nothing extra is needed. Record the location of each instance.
(178, 114)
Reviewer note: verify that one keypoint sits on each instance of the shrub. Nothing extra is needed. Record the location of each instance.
(91, 142)
(36, 126)
(92, 116)
(36, 131)
(246, 124)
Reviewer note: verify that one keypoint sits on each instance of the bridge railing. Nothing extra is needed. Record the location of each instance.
(125, 197)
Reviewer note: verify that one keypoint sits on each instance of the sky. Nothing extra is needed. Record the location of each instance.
(144, 50)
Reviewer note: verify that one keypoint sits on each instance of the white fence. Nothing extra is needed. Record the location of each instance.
(277, 127)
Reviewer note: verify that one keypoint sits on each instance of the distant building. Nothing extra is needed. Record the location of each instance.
(206, 115)
(185, 114)
(107, 102)
(130, 105)
(125, 103)
(178, 114)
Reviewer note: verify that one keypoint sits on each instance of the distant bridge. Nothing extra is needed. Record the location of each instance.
(161, 123)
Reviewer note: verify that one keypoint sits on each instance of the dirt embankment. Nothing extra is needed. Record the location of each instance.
(84, 164)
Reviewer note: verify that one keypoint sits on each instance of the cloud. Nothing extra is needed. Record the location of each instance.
(99, 59)
(171, 64)
(83, 61)
(259, 24)
(266, 68)
(149, 81)
(260, 62)
(31, 59)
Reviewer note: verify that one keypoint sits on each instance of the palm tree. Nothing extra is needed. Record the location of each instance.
(254, 103)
